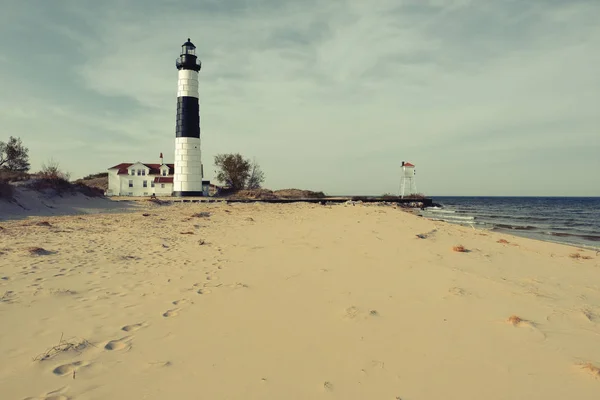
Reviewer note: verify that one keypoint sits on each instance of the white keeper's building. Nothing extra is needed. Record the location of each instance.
(144, 179)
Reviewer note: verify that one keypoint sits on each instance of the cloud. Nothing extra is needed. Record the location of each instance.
(330, 96)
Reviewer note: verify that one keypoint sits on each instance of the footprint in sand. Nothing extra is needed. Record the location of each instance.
(171, 313)
(69, 369)
(204, 291)
(239, 285)
(119, 344)
(351, 312)
(58, 394)
(178, 302)
(357, 313)
(519, 322)
(458, 291)
(588, 314)
(134, 327)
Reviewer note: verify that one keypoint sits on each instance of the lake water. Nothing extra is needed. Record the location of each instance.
(569, 220)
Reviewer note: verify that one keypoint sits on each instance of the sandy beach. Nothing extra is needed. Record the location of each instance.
(297, 301)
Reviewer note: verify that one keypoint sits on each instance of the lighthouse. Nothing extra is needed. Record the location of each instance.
(187, 179)
(408, 186)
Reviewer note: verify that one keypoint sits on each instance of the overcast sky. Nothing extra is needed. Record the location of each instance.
(485, 97)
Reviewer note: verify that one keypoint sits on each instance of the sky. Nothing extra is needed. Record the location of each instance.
(485, 97)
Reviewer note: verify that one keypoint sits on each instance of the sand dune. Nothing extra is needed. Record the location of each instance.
(30, 202)
(259, 301)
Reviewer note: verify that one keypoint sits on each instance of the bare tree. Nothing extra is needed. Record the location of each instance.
(256, 178)
(14, 156)
(51, 170)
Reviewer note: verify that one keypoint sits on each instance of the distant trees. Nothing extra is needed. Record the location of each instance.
(238, 172)
(14, 156)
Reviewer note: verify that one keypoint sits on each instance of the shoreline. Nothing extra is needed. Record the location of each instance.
(517, 235)
(573, 221)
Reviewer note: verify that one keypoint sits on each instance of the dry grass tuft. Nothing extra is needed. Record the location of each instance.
(43, 223)
(63, 346)
(158, 201)
(586, 257)
(575, 255)
(514, 320)
(460, 249)
(7, 297)
(38, 251)
(592, 369)
(203, 214)
(145, 215)
(504, 241)
(187, 233)
(63, 292)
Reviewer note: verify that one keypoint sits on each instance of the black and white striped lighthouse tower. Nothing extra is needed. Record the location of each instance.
(187, 180)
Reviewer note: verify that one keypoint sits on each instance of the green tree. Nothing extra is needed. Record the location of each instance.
(14, 156)
(237, 172)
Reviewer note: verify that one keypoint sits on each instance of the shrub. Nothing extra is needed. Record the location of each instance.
(13, 176)
(51, 171)
(95, 176)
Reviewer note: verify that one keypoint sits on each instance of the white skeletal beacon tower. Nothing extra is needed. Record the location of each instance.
(187, 180)
(408, 185)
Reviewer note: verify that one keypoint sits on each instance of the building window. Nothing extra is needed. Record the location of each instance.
(144, 172)
(145, 183)
(151, 183)
(139, 172)
(162, 185)
(133, 172)
(164, 173)
(131, 183)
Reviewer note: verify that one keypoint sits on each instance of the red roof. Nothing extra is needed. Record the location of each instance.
(163, 179)
(407, 164)
(154, 168)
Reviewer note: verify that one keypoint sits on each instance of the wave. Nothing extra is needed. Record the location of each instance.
(593, 238)
(452, 217)
(441, 211)
(516, 227)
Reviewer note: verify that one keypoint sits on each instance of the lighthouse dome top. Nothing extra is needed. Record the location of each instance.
(188, 48)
